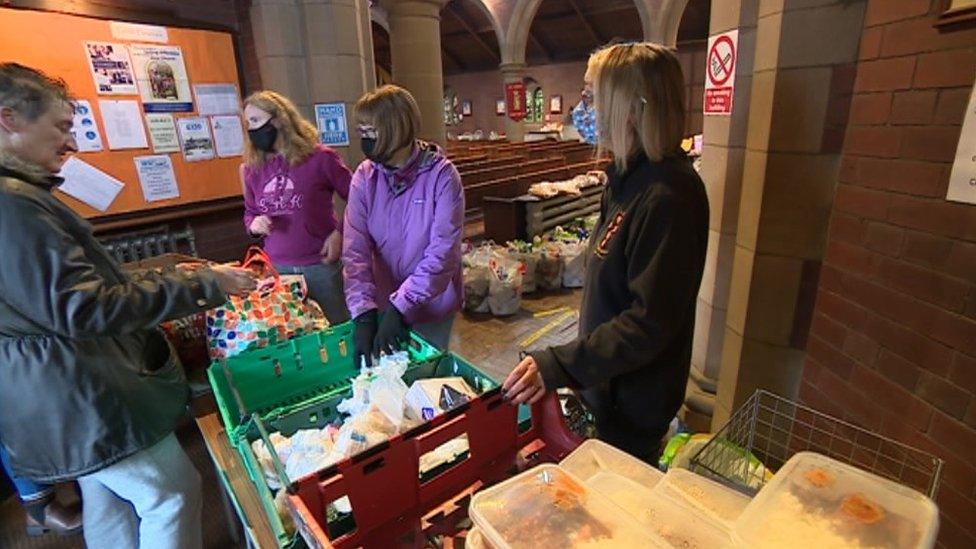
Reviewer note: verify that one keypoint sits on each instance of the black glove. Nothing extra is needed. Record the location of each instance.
(363, 337)
(393, 334)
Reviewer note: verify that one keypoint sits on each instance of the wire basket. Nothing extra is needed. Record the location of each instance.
(768, 430)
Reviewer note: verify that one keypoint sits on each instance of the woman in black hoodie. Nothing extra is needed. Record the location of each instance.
(645, 260)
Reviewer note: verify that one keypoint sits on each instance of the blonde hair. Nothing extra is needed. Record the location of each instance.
(298, 137)
(394, 113)
(639, 93)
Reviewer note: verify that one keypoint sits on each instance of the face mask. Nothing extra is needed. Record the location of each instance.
(263, 138)
(368, 144)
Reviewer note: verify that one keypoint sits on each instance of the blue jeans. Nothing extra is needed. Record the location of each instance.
(27, 489)
(150, 499)
(324, 281)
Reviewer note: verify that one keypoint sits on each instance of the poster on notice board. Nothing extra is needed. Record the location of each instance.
(161, 74)
(84, 129)
(111, 68)
(195, 139)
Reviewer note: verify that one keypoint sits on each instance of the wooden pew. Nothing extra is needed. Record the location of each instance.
(510, 170)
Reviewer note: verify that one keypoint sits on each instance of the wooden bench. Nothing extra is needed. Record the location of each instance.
(475, 177)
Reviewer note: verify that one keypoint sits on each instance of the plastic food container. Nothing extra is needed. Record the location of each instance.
(548, 507)
(816, 501)
(677, 523)
(475, 540)
(718, 501)
(594, 456)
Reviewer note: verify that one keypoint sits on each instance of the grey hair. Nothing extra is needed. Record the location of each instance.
(29, 91)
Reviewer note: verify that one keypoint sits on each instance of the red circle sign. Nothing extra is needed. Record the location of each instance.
(721, 61)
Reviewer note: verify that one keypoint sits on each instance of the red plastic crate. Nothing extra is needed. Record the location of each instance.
(392, 507)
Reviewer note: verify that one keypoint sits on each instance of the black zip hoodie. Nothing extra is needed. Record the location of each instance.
(645, 261)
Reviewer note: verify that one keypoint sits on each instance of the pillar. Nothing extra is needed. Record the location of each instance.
(722, 160)
(513, 72)
(415, 44)
(316, 51)
(802, 80)
(339, 59)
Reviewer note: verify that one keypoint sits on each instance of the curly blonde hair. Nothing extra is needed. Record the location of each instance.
(298, 137)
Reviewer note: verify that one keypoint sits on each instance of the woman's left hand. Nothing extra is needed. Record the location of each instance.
(524, 385)
(332, 248)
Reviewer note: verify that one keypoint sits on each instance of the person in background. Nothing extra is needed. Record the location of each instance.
(404, 224)
(289, 182)
(89, 387)
(631, 359)
(45, 513)
(584, 117)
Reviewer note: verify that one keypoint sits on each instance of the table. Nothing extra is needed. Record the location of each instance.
(240, 495)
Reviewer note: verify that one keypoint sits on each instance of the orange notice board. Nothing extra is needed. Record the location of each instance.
(56, 44)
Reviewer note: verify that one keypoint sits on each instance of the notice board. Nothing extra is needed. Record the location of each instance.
(57, 44)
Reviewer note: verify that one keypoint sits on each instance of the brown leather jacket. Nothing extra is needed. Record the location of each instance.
(86, 378)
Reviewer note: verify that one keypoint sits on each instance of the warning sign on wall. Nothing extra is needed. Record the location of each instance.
(720, 72)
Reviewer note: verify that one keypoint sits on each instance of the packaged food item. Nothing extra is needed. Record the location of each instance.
(673, 520)
(428, 398)
(721, 502)
(548, 507)
(595, 456)
(477, 278)
(816, 501)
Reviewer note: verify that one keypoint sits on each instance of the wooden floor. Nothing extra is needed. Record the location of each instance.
(490, 343)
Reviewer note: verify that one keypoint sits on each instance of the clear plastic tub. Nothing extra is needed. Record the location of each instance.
(594, 456)
(816, 501)
(718, 501)
(475, 540)
(673, 520)
(548, 507)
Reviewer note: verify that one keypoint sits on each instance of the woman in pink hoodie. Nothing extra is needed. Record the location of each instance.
(403, 227)
(289, 183)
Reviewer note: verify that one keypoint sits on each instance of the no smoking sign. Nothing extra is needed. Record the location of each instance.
(720, 84)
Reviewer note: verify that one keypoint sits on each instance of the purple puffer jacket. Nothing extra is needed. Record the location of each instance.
(402, 238)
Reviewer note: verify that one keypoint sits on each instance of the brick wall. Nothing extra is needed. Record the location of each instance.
(892, 345)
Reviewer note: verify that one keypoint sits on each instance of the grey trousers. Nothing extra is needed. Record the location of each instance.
(437, 334)
(150, 500)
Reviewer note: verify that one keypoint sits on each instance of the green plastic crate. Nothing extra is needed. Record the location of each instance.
(320, 411)
(293, 373)
(298, 384)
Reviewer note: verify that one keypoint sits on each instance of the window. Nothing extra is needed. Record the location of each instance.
(536, 106)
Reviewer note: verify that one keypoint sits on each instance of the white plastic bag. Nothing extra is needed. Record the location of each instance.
(477, 276)
(549, 271)
(505, 289)
(574, 264)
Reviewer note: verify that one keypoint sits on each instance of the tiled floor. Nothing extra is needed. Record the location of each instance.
(491, 343)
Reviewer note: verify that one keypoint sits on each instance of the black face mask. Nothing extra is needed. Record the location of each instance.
(264, 137)
(368, 145)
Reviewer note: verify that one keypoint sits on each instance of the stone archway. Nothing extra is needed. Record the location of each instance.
(660, 20)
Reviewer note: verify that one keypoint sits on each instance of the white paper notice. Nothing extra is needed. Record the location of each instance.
(162, 132)
(123, 124)
(228, 135)
(136, 32)
(216, 99)
(962, 181)
(195, 139)
(84, 128)
(156, 177)
(89, 184)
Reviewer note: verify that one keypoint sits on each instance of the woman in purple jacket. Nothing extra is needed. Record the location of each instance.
(289, 182)
(404, 222)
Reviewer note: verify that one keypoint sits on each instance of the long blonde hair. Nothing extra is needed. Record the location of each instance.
(639, 93)
(298, 137)
(394, 113)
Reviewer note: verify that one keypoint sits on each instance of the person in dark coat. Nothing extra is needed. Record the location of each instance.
(645, 259)
(89, 388)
